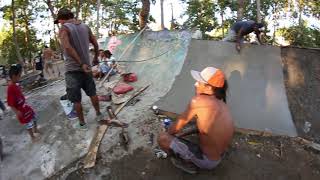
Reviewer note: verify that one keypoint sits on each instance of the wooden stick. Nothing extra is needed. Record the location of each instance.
(90, 159)
(314, 146)
(126, 102)
(106, 77)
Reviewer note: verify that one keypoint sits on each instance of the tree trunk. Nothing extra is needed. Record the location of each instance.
(258, 11)
(84, 13)
(144, 13)
(300, 3)
(78, 6)
(15, 40)
(162, 18)
(172, 19)
(274, 35)
(222, 23)
(98, 21)
(51, 8)
(27, 31)
(240, 10)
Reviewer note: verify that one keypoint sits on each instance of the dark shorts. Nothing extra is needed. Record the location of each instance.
(75, 81)
(192, 152)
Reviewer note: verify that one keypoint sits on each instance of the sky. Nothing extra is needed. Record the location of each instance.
(178, 9)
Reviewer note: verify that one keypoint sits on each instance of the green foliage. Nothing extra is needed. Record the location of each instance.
(7, 48)
(120, 15)
(301, 36)
(201, 14)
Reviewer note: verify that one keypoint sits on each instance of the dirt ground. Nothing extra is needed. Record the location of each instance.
(250, 157)
(301, 69)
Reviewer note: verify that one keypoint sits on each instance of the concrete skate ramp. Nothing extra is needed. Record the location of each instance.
(256, 94)
(161, 53)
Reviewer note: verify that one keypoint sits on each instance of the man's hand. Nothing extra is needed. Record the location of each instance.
(95, 60)
(86, 68)
(238, 47)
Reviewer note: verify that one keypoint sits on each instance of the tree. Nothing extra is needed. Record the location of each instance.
(17, 49)
(201, 15)
(119, 16)
(162, 18)
(301, 35)
(144, 13)
(240, 9)
(258, 11)
(7, 45)
(98, 15)
(222, 6)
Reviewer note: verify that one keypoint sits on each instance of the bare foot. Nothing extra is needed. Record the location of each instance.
(36, 131)
(36, 138)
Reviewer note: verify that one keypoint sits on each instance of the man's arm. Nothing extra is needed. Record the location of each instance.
(259, 39)
(64, 39)
(238, 39)
(239, 35)
(183, 119)
(189, 131)
(95, 44)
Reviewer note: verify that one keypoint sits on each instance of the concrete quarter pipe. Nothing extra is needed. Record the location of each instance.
(256, 96)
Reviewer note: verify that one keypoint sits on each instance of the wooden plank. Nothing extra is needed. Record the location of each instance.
(90, 159)
(106, 77)
(119, 108)
(312, 145)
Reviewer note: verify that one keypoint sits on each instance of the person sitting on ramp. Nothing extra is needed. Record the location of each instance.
(214, 125)
(241, 28)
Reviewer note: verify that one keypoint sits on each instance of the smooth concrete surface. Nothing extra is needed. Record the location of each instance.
(256, 96)
(61, 143)
(161, 55)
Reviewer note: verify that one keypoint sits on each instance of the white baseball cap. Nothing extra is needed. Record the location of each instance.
(209, 75)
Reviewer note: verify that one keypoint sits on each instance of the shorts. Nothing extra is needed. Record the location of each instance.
(232, 37)
(49, 63)
(105, 69)
(192, 152)
(30, 124)
(77, 80)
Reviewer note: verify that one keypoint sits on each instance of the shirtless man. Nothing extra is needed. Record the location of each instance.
(48, 57)
(214, 125)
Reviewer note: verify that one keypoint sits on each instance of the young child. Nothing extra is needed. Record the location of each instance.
(17, 102)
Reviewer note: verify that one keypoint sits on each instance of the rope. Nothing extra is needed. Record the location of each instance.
(148, 59)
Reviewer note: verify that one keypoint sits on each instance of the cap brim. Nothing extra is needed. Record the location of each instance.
(56, 21)
(196, 76)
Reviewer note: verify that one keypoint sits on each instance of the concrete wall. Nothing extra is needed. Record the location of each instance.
(256, 96)
(302, 81)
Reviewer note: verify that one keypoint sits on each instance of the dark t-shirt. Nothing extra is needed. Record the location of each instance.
(38, 63)
(247, 27)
